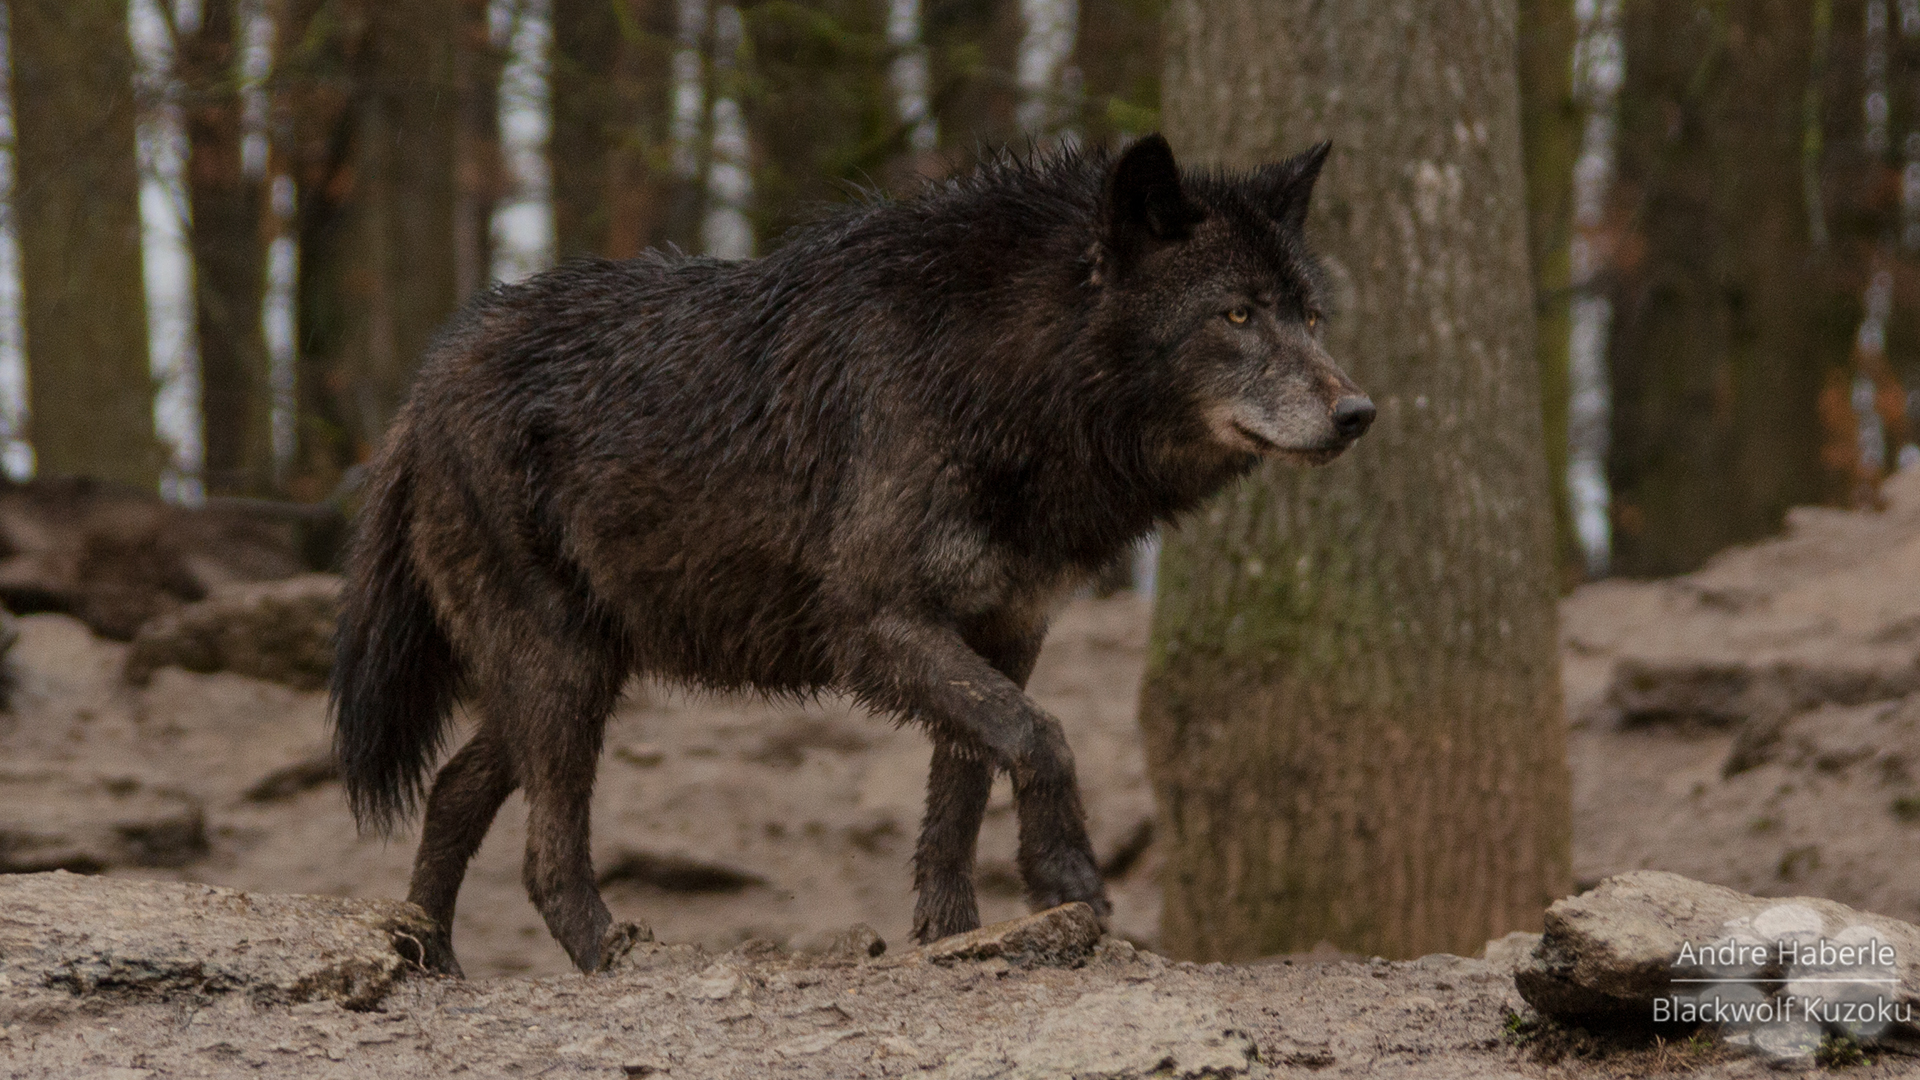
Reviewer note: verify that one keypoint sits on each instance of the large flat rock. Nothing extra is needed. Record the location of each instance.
(1650, 938)
(162, 939)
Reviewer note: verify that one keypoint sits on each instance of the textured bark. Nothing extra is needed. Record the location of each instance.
(1117, 51)
(611, 149)
(229, 259)
(1550, 122)
(371, 92)
(1727, 321)
(1352, 705)
(76, 206)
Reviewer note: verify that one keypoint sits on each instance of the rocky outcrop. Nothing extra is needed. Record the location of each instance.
(281, 631)
(53, 821)
(163, 939)
(115, 557)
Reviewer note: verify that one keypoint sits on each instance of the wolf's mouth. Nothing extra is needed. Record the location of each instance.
(1260, 442)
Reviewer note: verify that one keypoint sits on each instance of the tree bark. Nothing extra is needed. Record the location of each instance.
(371, 92)
(611, 149)
(228, 241)
(76, 205)
(1550, 121)
(1727, 321)
(1352, 706)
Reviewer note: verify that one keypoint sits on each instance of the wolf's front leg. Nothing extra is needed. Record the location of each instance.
(928, 671)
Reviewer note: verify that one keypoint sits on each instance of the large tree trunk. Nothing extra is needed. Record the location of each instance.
(229, 258)
(1352, 706)
(372, 91)
(1726, 318)
(76, 206)
(611, 149)
(1550, 121)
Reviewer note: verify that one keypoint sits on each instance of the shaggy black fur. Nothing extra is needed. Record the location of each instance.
(870, 461)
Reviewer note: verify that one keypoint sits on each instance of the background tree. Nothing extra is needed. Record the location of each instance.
(1352, 708)
(371, 97)
(1728, 319)
(973, 46)
(813, 81)
(1117, 52)
(1550, 122)
(611, 149)
(76, 208)
(227, 236)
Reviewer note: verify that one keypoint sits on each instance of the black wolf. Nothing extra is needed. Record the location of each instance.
(871, 461)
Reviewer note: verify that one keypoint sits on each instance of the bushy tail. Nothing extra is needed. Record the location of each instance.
(394, 672)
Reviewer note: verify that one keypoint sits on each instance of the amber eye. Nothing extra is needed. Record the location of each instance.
(1238, 315)
(1313, 320)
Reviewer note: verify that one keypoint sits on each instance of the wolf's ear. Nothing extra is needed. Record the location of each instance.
(1286, 187)
(1144, 202)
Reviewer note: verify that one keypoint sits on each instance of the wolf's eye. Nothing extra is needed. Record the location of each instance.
(1313, 319)
(1238, 315)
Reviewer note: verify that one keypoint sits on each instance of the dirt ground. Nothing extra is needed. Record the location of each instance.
(724, 820)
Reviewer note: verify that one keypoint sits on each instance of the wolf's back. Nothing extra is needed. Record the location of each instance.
(394, 672)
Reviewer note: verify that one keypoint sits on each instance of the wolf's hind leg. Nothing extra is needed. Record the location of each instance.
(466, 796)
(558, 749)
(957, 788)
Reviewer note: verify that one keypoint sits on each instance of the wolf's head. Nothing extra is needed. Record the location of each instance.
(1211, 274)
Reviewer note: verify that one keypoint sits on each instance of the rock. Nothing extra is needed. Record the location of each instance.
(51, 821)
(164, 939)
(1120, 1033)
(116, 557)
(281, 631)
(290, 780)
(1063, 936)
(1511, 952)
(1648, 936)
(857, 942)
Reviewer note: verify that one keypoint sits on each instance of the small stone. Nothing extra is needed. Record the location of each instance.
(1510, 952)
(1063, 936)
(857, 942)
(716, 983)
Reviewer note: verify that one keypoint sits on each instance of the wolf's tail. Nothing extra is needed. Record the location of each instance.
(394, 672)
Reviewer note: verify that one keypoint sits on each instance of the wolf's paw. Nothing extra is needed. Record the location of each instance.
(943, 912)
(619, 940)
(431, 952)
(1065, 878)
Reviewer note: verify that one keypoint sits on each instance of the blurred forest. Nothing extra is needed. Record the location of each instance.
(231, 225)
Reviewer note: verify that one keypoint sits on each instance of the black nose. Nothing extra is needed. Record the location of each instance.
(1353, 415)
